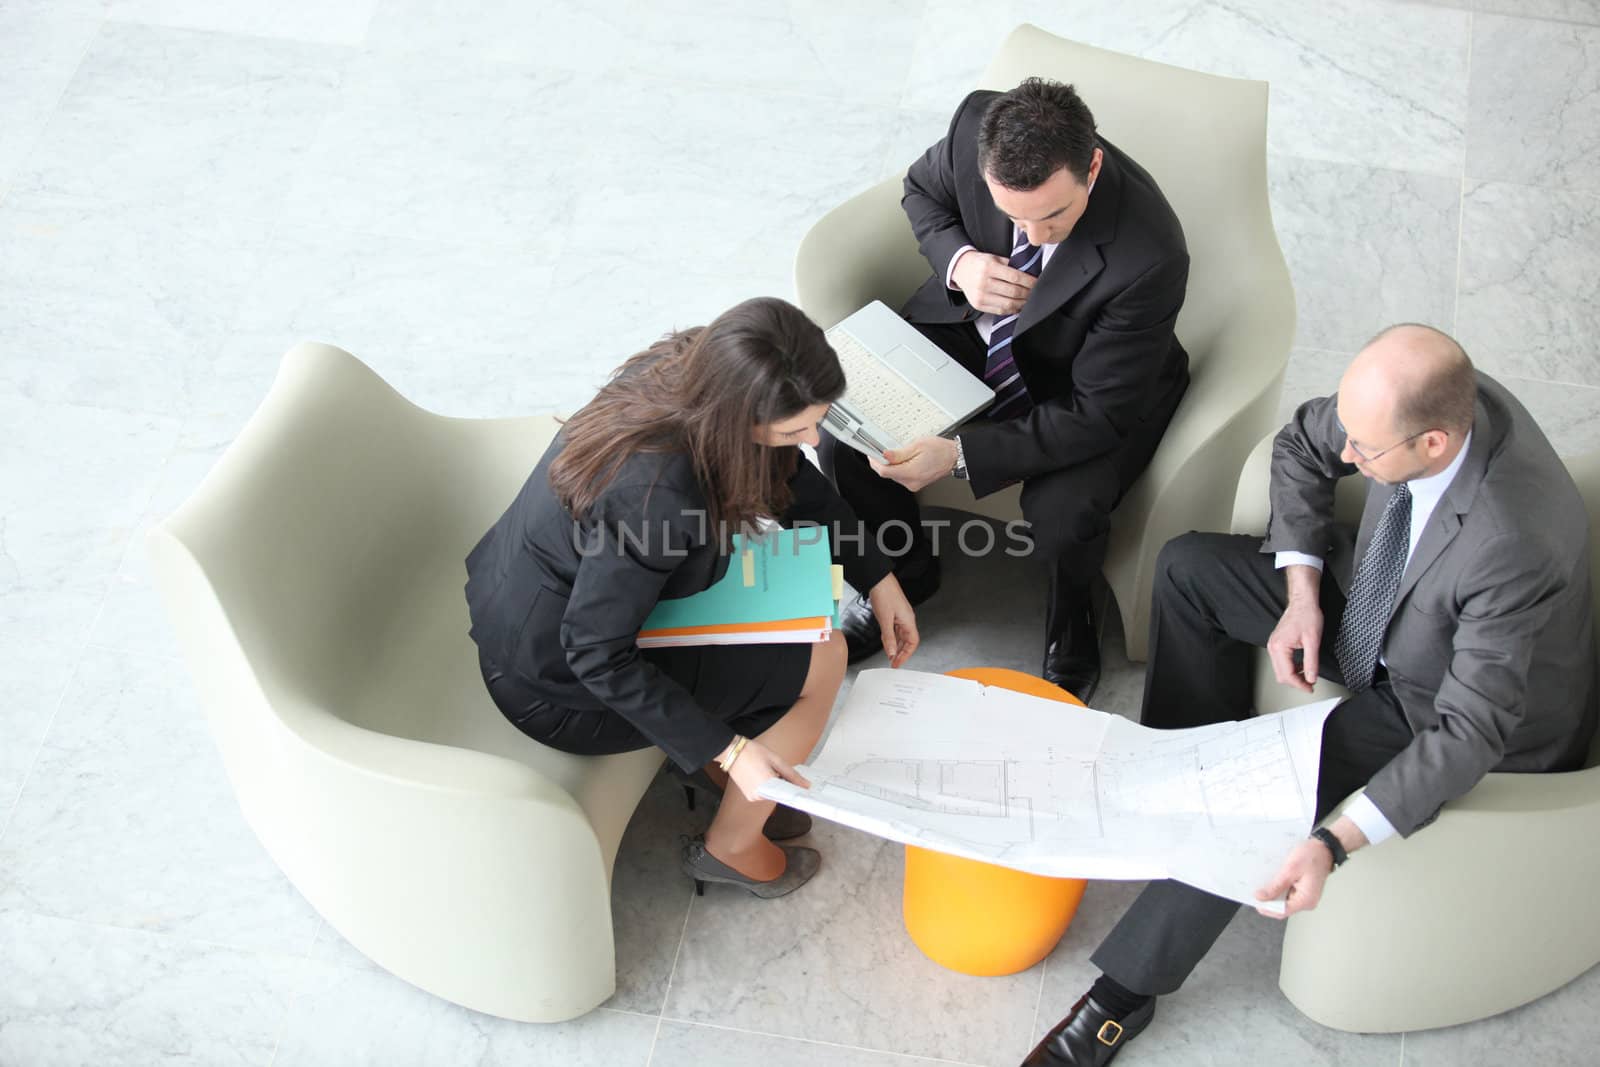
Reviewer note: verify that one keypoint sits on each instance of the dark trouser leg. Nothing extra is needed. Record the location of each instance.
(1216, 599)
(1068, 513)
(1069, 518)
(877, 502)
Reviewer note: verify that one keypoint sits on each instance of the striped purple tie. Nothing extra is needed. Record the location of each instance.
(1000, 370)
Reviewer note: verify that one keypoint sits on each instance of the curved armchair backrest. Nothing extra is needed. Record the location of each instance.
(331, 538)
(315, 579)
(1203, 138)
(1585, 470)
(863, 250)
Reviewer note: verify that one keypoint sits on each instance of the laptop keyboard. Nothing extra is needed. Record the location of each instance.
(879, 395)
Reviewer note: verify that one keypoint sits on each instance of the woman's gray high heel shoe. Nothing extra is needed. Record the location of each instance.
(703, 867)
(782, 825)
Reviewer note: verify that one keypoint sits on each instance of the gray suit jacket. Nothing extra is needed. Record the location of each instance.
(1490, 645)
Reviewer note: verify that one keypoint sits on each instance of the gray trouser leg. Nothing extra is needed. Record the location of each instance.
(1162, 936)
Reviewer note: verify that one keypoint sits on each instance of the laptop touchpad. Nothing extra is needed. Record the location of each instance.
(908, 361)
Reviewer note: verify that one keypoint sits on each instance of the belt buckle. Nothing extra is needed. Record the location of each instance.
(1114, 1038)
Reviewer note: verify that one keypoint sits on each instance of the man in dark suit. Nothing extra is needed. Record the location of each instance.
(1058, 272)
(1465, 635)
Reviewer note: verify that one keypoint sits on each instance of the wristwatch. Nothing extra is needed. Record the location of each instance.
(960, 469)
(1335, 849)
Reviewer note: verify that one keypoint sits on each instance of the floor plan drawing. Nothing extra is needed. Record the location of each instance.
(994, 775)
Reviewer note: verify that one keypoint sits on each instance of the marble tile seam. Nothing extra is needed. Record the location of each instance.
(167, 937)
(1038, 1002)
(1323, 161)
(296, 991)
(1553, 190)
(39, 135)
(144, 654)
(910, 1056)
(241, 35)
(887, 102)
(287, 228)
(1461, 249)
(1559, 20)
(44, 736)
(360, 45)
(672, 972)
(1584, 386)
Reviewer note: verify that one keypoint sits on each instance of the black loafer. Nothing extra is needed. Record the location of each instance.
(1089, 1036)
(861, 634)
(1072, 653)
(919, 580)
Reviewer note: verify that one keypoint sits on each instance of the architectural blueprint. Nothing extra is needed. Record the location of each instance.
(1046, 787)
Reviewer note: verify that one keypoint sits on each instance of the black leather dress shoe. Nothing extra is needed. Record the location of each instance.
(919, 580)
(1072, 652)
(861, 633)
(1089, 1036)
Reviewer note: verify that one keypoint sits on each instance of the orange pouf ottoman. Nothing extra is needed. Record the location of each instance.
(977, 918)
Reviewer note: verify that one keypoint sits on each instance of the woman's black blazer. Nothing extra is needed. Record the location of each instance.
(558, 603)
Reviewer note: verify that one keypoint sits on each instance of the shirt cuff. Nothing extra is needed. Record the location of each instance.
(1365, 814)
(950, 271)
(1297, 559)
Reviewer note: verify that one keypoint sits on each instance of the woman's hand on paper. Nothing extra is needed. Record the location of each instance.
(757, 765)
(896, 620)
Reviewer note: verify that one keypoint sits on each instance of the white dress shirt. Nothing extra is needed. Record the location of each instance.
(1425, 495)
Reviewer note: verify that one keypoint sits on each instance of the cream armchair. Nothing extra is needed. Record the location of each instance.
(1203, 138)
(1486, 909)
(315, 580)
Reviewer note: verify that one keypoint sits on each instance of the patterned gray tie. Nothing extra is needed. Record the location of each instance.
(1366, 613)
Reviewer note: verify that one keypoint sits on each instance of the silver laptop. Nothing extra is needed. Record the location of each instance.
(899, 385)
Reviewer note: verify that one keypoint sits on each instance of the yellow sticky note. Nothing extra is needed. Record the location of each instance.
(838, 582)
(748, 559)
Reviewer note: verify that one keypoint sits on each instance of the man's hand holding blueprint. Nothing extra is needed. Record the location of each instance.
(1029, 783)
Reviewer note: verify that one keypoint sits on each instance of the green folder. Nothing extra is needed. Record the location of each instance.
(790, 577)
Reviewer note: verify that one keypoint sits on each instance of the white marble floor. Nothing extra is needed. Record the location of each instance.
(493, 202)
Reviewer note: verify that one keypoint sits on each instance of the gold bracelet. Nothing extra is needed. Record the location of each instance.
(726, 762)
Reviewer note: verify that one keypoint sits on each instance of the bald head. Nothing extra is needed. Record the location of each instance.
(1414, 378)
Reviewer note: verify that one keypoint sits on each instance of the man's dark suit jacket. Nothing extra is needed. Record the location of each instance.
(1094, 343)
(558, 603)
(1490, 645)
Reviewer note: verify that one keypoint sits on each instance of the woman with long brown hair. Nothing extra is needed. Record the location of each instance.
(634, 502)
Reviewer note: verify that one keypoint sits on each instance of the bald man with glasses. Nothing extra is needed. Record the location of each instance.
(1458, 616)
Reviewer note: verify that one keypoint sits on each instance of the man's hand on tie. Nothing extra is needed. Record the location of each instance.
(990, 283)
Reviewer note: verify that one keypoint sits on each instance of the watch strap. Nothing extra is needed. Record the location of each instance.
(1331, 841)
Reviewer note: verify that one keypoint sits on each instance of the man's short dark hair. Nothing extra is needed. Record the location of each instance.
(1033, 131)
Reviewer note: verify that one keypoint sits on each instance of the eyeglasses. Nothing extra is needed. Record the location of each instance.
(1375, 456)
